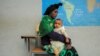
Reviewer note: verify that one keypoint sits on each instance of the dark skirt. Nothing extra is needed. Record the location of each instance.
(45, 40)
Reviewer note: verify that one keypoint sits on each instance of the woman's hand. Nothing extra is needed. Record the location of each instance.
(67, 40)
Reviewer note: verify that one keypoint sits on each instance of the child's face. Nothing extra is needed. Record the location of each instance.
(58, 24)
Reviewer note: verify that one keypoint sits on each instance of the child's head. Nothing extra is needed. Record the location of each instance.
(58, 23)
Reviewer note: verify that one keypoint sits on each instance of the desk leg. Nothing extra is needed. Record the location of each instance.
(25, 40)
(28, 44)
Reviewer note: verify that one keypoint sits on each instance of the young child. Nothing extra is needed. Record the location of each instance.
(59, 28)
(58, 45)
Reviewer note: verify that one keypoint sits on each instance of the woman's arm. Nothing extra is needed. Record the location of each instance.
(46, 25)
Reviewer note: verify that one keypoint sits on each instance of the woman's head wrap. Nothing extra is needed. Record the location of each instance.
(51, 8)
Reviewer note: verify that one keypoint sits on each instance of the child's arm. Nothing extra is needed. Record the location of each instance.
(65, 34)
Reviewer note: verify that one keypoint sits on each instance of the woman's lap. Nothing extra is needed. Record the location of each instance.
(56, 36)
(45, 40)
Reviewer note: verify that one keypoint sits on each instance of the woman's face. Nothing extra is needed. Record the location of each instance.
(54, 13)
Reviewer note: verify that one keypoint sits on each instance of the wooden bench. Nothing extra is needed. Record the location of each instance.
(27, 40)
(36, 50)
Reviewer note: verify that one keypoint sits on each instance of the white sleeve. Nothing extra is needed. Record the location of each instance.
(64, 32)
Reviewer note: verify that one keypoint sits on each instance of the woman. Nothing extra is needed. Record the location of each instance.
(47, 25)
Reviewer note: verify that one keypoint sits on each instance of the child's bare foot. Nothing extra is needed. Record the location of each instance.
(56, 52)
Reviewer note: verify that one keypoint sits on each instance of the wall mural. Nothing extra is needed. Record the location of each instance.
(76, 12)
